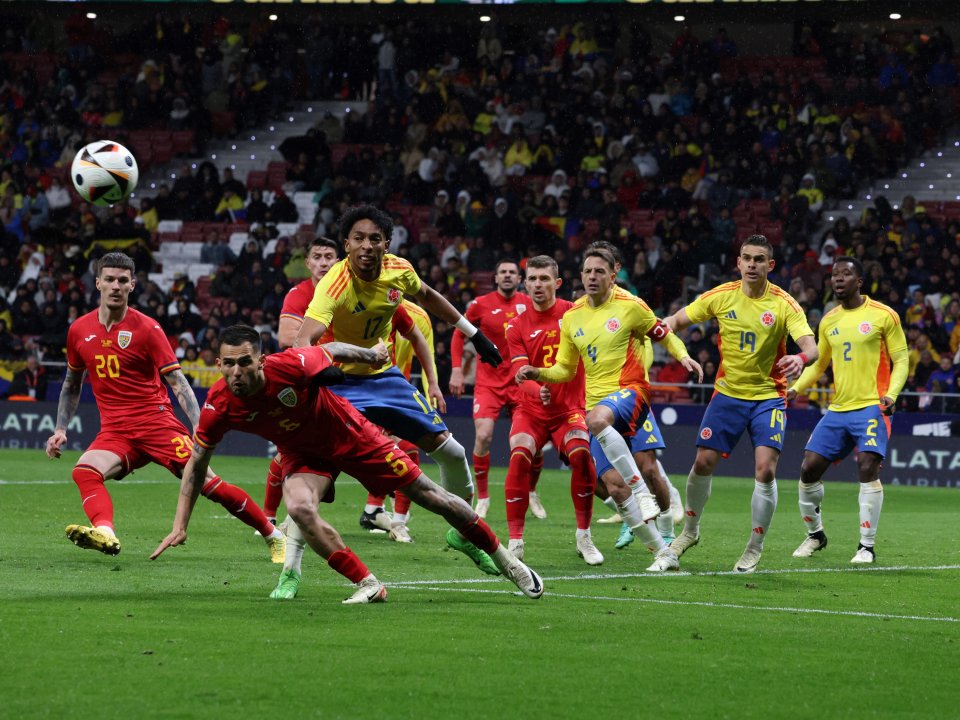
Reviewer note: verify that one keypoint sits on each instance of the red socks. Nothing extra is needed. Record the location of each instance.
(274, 492)
(535, 471)
(349, 565)
(481, 469)
(582, 480)
(94, 497)
(517, 490)
(480, 534)
(238, 503)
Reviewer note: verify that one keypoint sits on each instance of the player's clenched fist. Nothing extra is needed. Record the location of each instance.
(54, 444)
(527, 372)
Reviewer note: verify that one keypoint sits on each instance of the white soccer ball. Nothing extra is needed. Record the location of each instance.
(104, 172)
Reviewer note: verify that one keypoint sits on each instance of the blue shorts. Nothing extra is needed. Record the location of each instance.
(648, 437)
(726, 419)
(389, 400)
(837, 433)
(630, 413)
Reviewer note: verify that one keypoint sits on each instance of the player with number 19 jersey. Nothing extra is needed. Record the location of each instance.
(124, 366)
(315, 431)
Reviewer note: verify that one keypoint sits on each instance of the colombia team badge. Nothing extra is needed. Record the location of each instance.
(393, 296)
(123, 339)
(768, 319)
(865, 328)
(613, 325)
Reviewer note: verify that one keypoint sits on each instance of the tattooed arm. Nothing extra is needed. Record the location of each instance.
(67, 407)
(185, 396)
(346, 353)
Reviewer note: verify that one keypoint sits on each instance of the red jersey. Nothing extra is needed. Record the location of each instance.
(288, 410)
(534, 338)
(295, 306)
(124, 365)
(491, 313)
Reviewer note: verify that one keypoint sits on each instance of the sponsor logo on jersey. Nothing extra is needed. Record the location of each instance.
(551, 333)
(777, 438)
(732, 315)
(535, 333)
(652, 439)
(394, 296)
(613, 325)
(835, 331)
(358, 308)
(495, 311)
(123, 339)
(768, 319)
(106, 343)
(579, 333)
(706, 434)
(288, 396)
(871, 442)
(88, 338)
(521, 308)
(865, 328)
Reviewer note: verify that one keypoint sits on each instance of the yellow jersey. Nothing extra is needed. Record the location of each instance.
(360, 312)
(753, 337)
(402, 348)
(609, 339)
(862, 343)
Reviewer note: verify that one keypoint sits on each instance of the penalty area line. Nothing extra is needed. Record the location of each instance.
(715, 573)
(722, 606)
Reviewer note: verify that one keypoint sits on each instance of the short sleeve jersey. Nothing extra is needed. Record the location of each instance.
(753, 337)
(288, 410)
(360, 311)
(295, 306)
(491, 313)
(124, 365)
(534, 339)
(402, 349)
(861, 342)
(609, 339)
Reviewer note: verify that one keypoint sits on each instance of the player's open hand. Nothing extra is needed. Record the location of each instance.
(527, 372)
(693, 366)
(54, 444)
(436, 398)
(456, 382)
(545, 394)
(176, 537)
(791, 395)
(887, 405)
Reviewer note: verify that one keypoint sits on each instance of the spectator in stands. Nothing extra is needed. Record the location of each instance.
(147, 217)
(28, 383)
(230, 209)
(8, 343)
(216, 249)
(228, 283)
(283, 209)
(256, 211)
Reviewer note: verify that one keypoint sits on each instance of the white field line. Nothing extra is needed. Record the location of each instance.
(716, 573)
(725, 606)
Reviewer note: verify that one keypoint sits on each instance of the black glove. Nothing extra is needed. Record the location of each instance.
(486, 350)
(331, 375)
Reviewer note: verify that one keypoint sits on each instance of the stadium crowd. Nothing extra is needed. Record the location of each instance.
(511, 144)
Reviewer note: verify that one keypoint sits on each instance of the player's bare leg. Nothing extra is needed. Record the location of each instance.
(90, 472)
(483, 438)
(457, 511)
(763, 505)
(810, 499)
(302, 493)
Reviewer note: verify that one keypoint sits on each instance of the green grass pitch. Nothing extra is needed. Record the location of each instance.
(195, 635)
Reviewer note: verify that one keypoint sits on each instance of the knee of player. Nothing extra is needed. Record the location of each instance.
(597, 422)
(869, 465)
(765, 472)
(301, 506)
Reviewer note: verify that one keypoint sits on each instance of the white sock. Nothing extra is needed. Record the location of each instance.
(369, 509)
(630, 511)
(583, 533)
(698, 492)
(106, 530)
(665, 523)
(811, 496)
(295, 545)
(618, 454)
(649, 536)
(454, 468)
(612, 504)
(400, 518)
(275, 534)
(871, 502)
(762, 506)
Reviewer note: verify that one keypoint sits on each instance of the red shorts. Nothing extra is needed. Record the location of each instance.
(488, 402)
(542, 426)
(160, 439)
(377, 462)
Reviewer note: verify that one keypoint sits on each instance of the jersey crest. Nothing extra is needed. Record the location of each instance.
(613, 325)
(865, 328)
(521, 308)
(768, 319)
(394, 296)
(288, 396)
(706, 434)
(123, 339)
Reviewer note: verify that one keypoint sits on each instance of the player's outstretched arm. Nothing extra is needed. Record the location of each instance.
(441, 307)
(287, 331)
(194, 475)
(184, 395)
(310, 331)
(346, 353)
(812, 372)
(66, 409)
(424, 353)
(679, 320)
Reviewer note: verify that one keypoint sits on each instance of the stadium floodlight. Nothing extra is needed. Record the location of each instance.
(679, 18)
(272, 18)
(895, 16)
(485, 18)
(91, 16)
